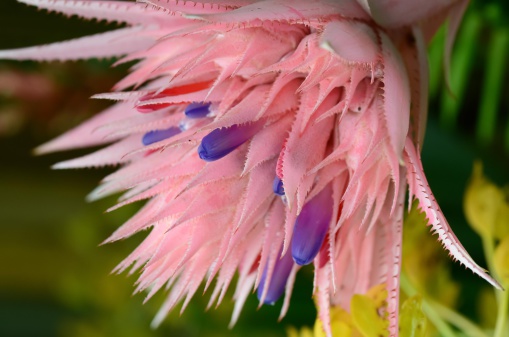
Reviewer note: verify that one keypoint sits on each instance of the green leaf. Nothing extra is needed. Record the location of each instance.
(492, 86)
(462, 65)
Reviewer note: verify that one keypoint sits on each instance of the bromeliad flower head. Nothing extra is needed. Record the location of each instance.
(265, 135)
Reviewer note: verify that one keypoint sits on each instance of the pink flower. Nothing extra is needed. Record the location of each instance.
(265, 135)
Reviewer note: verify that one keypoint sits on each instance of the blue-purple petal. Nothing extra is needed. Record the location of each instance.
(197, 110)
(221, 142)
(282, 270)
(311, 227)
(277, 186)
(158, 135)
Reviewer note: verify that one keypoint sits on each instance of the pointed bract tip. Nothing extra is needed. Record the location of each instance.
(39, 150)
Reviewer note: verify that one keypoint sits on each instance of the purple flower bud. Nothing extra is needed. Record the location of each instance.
(277, 284)
(197, 110)
(277, 186)
(158, 135)
(311, 227)
(221, 142)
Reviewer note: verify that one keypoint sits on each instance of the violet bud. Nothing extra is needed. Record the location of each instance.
(277, 186)
(221, 142)
(277, 283)
(197, 110)
(311, 227)
(158, 135)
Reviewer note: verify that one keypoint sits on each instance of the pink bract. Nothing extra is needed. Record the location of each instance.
(318, 93)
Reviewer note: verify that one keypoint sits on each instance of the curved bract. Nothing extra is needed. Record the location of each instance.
(300, 123)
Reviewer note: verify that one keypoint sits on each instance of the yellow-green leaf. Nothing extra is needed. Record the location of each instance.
(292, 332)
(482, 201)
(365, 317)
(501, 225)
(378, 294)
(341, 324)
(341, 329)
(304, 332)
(412, 321)
(501, 261)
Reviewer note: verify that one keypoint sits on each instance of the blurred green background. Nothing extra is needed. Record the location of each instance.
(54, 278)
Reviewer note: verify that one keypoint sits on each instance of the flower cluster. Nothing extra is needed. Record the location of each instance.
(265, 135)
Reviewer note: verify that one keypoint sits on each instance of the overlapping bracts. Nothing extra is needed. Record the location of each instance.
(264, 135)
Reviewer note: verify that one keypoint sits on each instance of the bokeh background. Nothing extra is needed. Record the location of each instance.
(55, 277)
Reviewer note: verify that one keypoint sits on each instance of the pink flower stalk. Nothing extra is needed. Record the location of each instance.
(265, 135)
